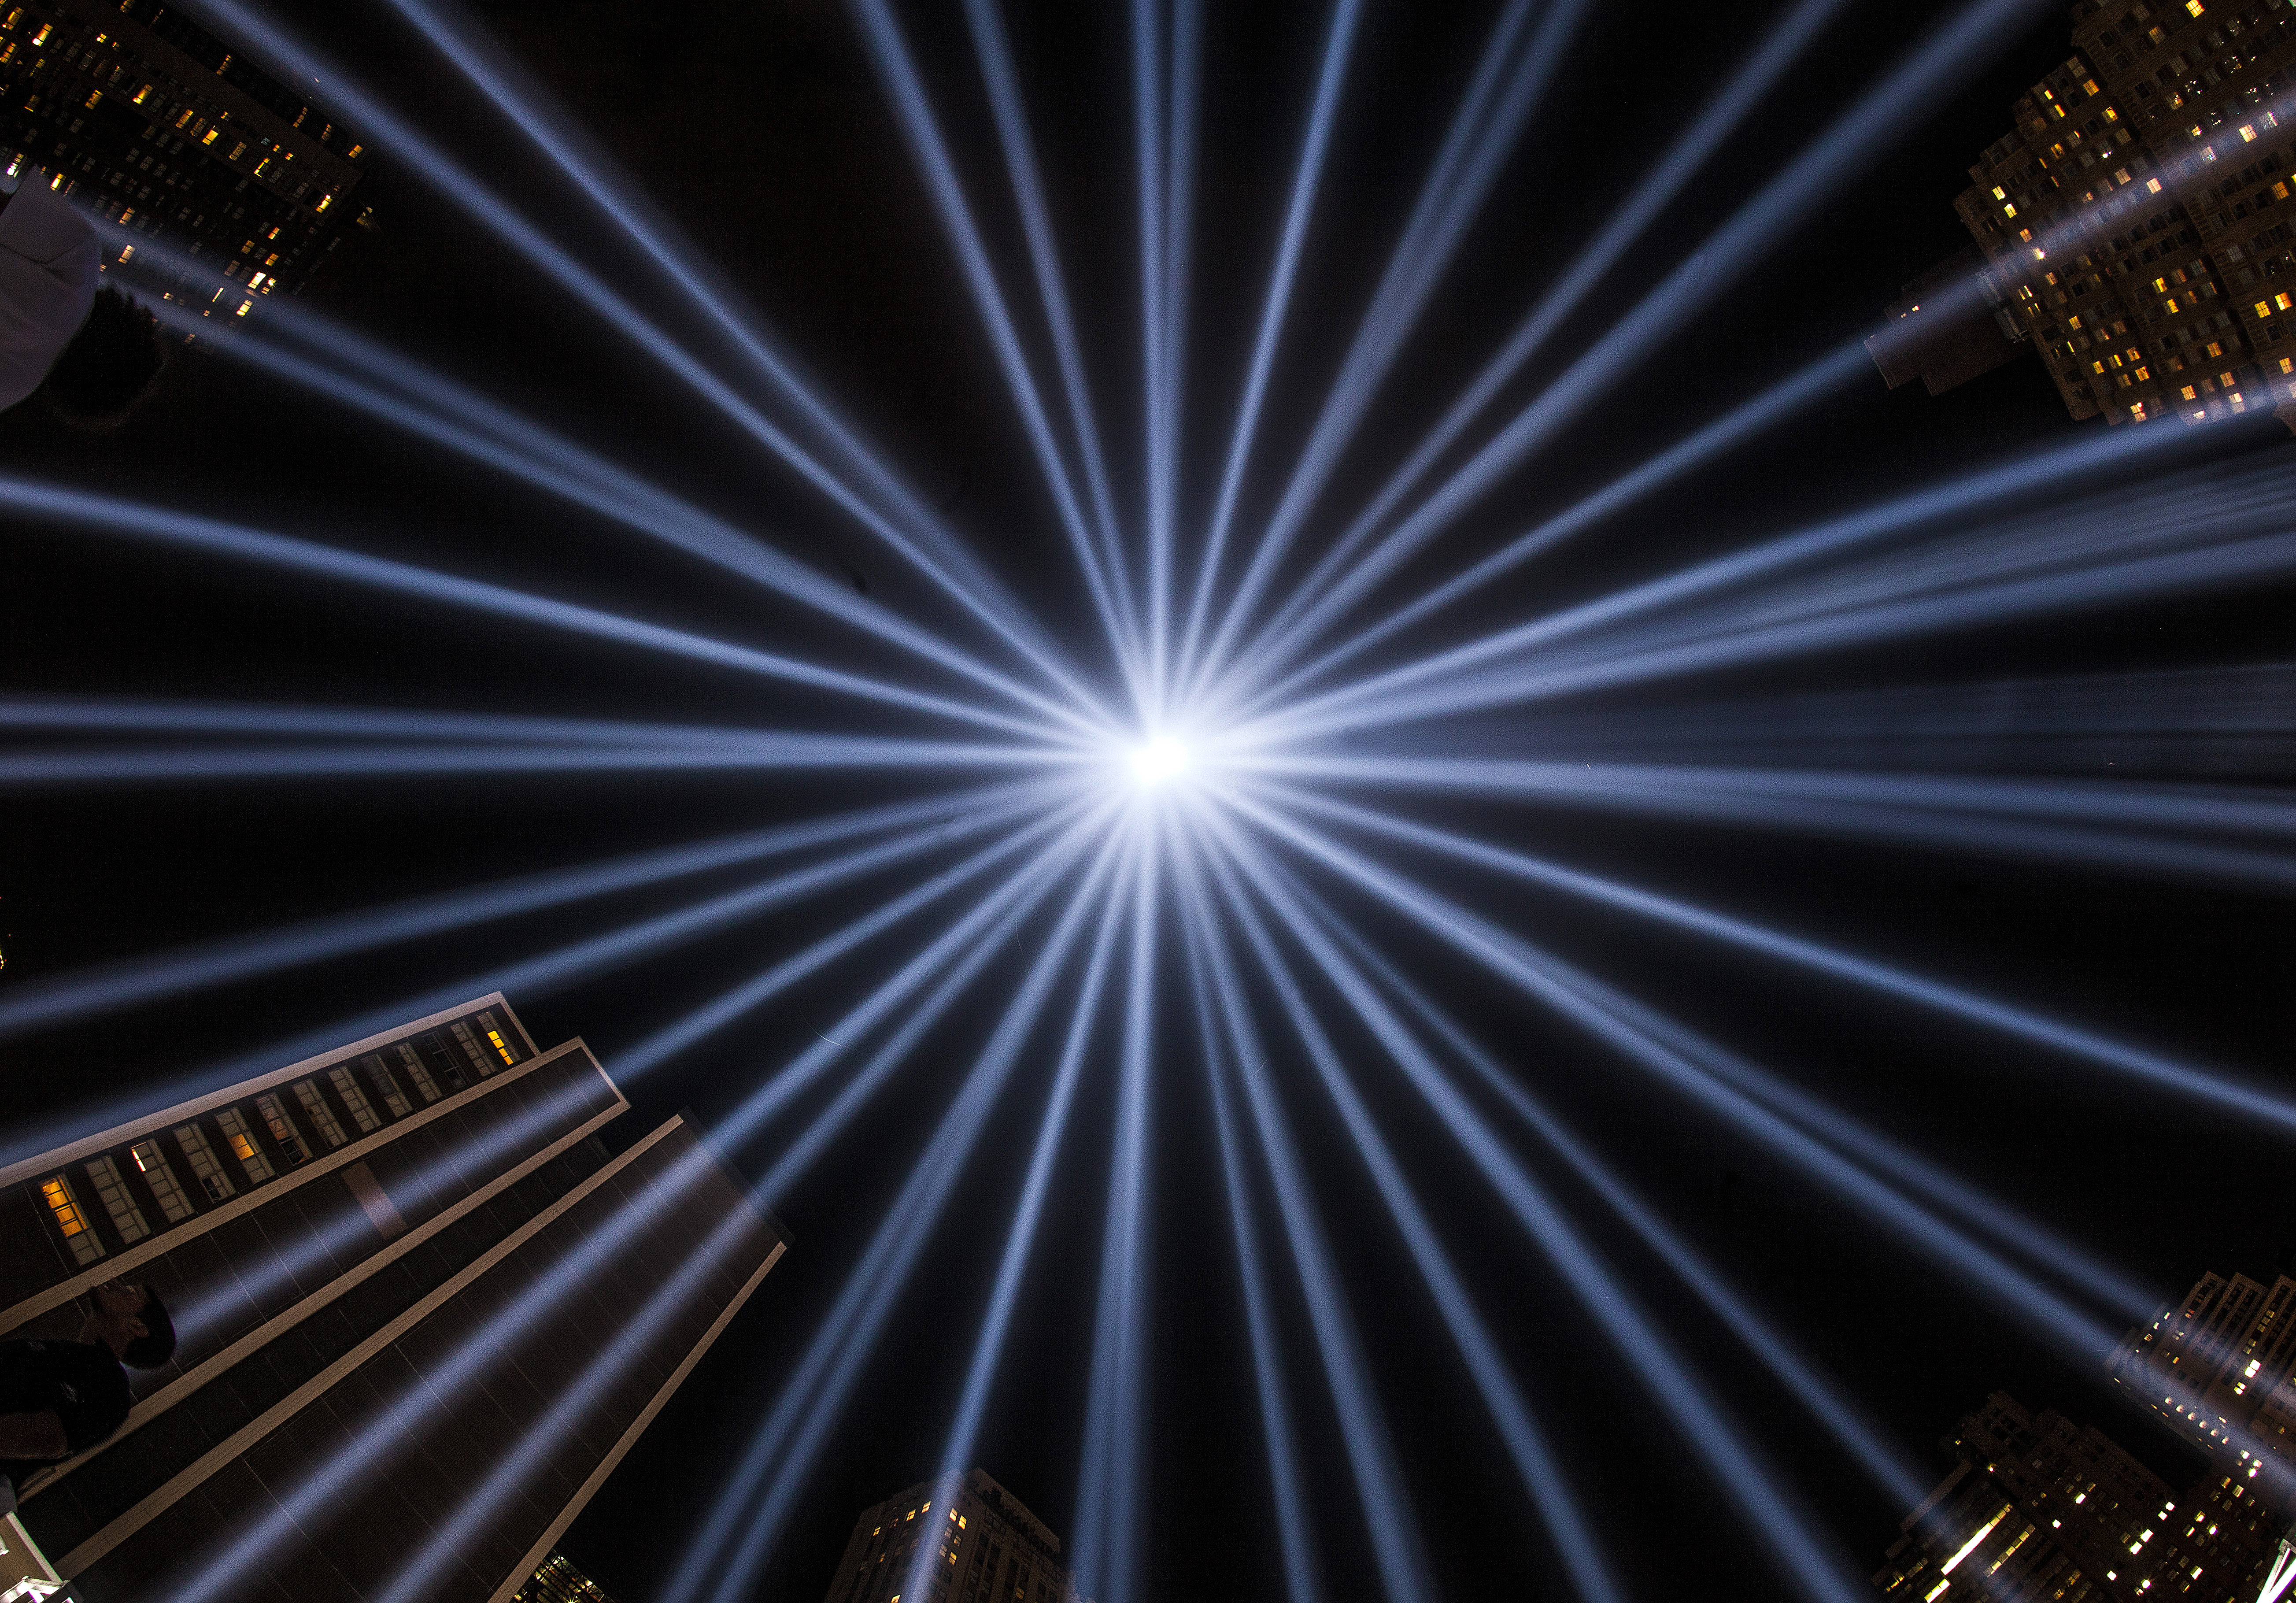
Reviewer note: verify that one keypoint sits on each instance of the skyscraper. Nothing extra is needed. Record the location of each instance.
(139, 113)
(421, 1309)
(2137, 218)
(987, 1548)
(2039, 1508)
(2218, 1368)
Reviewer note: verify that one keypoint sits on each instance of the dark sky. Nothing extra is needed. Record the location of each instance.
(758, 128)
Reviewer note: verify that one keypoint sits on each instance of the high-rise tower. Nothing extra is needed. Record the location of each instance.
(985, 1547)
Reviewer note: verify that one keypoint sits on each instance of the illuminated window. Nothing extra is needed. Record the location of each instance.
(379, 1074)
(2284, 302)
(492, 1027)
(2153, 185)
(283, 1131)
(126, 1216)
(417, 1073)
(241, 1139)
(201, 1156)
(481, 1059)
(63, 1207)
(322, 1116)
(362, 1113)
(152, 1166)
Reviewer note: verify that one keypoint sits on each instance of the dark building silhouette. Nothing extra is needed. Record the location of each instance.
(2038, 1509)
(987, 1548)
(140, 114)
(1944, 330)
(2136, 221)
(422, 1311)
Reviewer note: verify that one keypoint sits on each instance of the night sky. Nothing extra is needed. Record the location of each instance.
(759, 128)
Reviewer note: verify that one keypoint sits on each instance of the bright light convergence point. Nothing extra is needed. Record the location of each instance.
(1159, 759)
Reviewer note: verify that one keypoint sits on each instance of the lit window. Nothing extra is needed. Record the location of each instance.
(2284, 302)
(126, 1216)
(64, 1208)
(2195, 7)
(152, 1166)
(492, 1025)
(321, 1117)
(241, 1139)
(283, 1131)
(201, 1156)
(362, 1113)
(479, 1059)
(2153, 185)
(417, 1073)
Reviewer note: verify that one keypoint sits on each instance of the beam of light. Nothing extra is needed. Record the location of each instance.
(1109, 1492)
(1813, 382)
(1159, 759)
(2183, 1080)
(721, 1561)
(548, 971)
(1982, 817)
(1644, 1036)
(1734, 1463)
(133, 520)
(243, 1551)
(1296, 1544)
(898, 72)
(1507, 81)
(449, 415)
(2048, 592)
(783, 753)
(980, 939)
(988, 1346)
(425, 1572)
(1889, 1468)
(751, 993)
(947, 567)
(1752, 232)
(1751, 81)
(1339, 43)
(985, 20)
(1386, 1506)
(1528, 1445)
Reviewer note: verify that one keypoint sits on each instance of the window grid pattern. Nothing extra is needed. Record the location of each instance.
(151, 1163)
(64, 1208)
(201, 1157)
(492, 1026)
(379, 1075)
(323, 1117)
(281, 1128)
(111, 1190)
(362, 1113)
(241, 1141)
(417, 1073)
(482, 1059)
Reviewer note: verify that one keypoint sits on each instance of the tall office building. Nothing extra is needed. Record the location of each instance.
(557, 1580)
(987, 1548)
(2041, 1510)
(139, 113)
(2136, 221)
(2218, 1368)
(422, 1313)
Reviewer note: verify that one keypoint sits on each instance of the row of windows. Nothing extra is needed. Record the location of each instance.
(426, 1061)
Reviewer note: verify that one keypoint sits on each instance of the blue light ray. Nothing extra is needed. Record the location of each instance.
(988, 1346)
(1735, 1465)
(1507, 82)
(986, 24)
(2216, 1090)
(1559, 1508)
(889, 50)
(1109, 1502)
(450, 414)
(1889, 1468)
(1374, 696)
(753, 992)
(134, 520)
(88, 714)
(721, 1561)
(564, 965)
(1733, 249)
(190, 765)
(1753, 81)
(1296, 1545)
(1339, 43)
(966, 585)
(1979, 817)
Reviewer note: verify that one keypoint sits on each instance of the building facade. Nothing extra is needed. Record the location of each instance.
(422, 1313)
(2041, 1510)
(2136, 221)
(557, 1579)
(987, 1548)
(140, 114)
(2219, 1368)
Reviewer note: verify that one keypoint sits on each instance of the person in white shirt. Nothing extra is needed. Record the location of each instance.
(89, 355)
